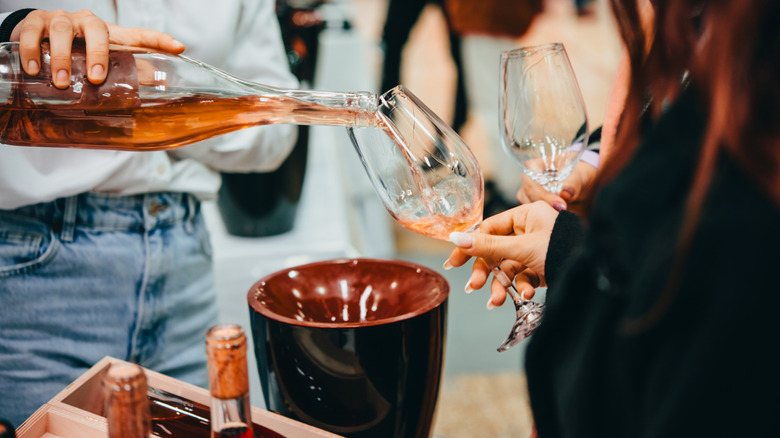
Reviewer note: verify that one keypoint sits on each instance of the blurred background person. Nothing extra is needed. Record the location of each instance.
(401, 17)
(487, 28)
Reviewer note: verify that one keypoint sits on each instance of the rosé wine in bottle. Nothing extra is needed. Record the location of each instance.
(153, 100)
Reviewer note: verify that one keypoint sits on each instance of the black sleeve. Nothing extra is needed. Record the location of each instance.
(567, 234)
(10, 23)
(594, 139)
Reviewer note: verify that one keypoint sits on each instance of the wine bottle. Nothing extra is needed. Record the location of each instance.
(126, 406)
(226, 347)
(152, 101)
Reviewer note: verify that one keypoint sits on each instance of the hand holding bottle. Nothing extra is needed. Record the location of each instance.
(519, 237)
(62, 27)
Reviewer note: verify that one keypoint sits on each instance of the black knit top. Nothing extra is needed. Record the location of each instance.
(707, 365)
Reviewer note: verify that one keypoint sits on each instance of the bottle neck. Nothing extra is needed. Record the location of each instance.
(317, 107)
(230, 418)
(228, 382)
(126, 409)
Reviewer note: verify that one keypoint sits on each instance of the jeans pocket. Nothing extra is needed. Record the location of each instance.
(25, 244)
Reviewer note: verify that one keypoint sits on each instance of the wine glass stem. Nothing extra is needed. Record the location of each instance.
(505, 281)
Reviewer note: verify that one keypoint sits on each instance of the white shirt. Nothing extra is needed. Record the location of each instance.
(239, 36)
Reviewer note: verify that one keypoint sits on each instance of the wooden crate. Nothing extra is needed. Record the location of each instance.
(77, 411)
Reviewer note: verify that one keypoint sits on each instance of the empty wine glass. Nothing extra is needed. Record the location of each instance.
(429, 180)
(543, 118)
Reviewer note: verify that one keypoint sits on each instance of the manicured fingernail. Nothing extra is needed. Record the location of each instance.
(469, 288)
(178, 43)
(32, 67)
(62, 77)
(490, 305)
(447, 265)
(97, 71)
(463, 240)
(569, 191)
(559, 206)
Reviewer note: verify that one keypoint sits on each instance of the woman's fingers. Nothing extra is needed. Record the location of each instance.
(61, 32)
(570, 197)
(456, 259)
(531, 191)
(61, 28)
(30, 33)
(521, 234)
(480, 273)
(525, 281)
(525, 249)
(96, 36)
(133, 36)
(577, 184)
(518, 238)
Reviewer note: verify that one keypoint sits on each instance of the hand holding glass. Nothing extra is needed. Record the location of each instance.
(429, 180)
(545, 129)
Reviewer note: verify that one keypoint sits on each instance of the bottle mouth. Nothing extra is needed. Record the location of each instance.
(368, 105)
(225, 336)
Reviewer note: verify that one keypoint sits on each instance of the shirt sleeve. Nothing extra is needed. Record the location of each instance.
(9, 21)
(257, 54)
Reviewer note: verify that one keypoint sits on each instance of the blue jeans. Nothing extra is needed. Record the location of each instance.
(95, 275)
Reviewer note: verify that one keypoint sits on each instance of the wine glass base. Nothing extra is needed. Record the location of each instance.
(529, 316)
(551, 180)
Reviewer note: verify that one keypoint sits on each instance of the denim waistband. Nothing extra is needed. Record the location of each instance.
(112, 212)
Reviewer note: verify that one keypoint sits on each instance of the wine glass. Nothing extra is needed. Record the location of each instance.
(544, 125)
(429, 180)
(543, 118)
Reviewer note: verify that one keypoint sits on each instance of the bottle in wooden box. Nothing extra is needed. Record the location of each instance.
(226, 347)
(126, 404)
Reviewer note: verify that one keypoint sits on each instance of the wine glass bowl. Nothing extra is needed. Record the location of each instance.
(543, 118)
(424, 173)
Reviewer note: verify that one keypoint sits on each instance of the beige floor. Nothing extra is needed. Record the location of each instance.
(492, 405)
(489, 406)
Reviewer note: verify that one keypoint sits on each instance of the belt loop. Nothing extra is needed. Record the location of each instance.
(69, 219)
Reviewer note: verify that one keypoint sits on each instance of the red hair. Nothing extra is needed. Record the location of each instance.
(731, 51)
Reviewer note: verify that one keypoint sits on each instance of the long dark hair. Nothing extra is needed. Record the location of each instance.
(731, 51)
